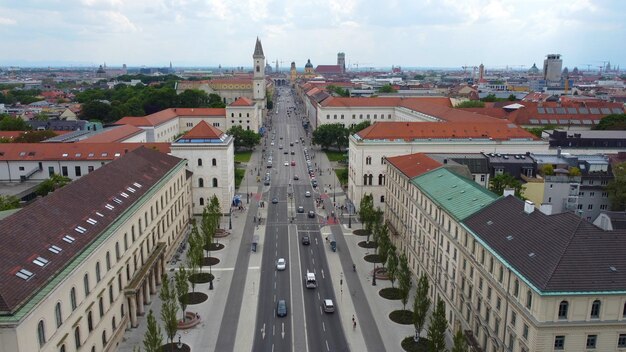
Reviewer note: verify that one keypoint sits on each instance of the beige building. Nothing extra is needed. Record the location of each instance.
(513, 278)
(369, 147)
(210, 156)
(84, 260)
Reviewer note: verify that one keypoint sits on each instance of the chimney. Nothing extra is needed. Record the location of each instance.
(508, 192)
(546, 208)
(529, 207)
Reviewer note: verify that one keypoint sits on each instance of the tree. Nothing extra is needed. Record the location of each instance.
(613, 122)
(194, 254)
(437, 328)
(574, 171)
(41, 117)
(460, 344)
(404, 280)
(182, 288)
(97, 110)
(392, 264)
(169, 309)
(193, 98)
(34, 136)
(9, 123)
(211, 216)
(215, 101)
(470, 104)
(384, 243)
(490, 98)
(9, 202)
(359, 127)
(617, 187)
(499, 183)
(53, 183)
(244, 138)
(547, 170)
(153, 338)
(421, 305)
(419, 77)
(337, 90)
(387, 88)
(331, 135)
(512, 97)
(366, 210)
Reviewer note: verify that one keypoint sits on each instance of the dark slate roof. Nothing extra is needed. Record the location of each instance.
(477, 163)
(258, 48)
(570, 254)
(618, 219)
(30, 233)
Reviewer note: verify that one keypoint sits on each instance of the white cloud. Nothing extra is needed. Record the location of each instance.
(7, 21)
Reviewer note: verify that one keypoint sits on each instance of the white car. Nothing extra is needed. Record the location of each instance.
(307, 194)
(272, 143)
(286, 163)
(281, 264)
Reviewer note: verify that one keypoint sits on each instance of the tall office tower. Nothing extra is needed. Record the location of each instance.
(552, 67)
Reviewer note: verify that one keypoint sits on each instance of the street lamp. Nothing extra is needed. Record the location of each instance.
(374, 276)
(230, 219)
(334, 190)
(179, 344)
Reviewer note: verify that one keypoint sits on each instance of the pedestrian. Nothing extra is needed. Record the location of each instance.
(354, 325)
(353, 318)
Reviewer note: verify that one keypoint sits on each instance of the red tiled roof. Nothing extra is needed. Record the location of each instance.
(10, 134)
(412, 165)
(384, 101)
(242, 101)
(328, 69)
(72, 151)
(30, 232)
(168, 114)
(444, 130)
(114, 134)
(203, 130)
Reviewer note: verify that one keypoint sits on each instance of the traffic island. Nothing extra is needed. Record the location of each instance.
(402, 316)
(409, 344)
(391, 293)
(195, 297)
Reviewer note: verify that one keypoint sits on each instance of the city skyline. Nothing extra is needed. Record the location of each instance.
(496, 33)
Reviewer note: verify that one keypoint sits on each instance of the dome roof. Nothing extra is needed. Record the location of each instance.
(308, 64)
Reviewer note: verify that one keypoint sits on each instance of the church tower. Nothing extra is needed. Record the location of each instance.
(293, 73)
(258, 80)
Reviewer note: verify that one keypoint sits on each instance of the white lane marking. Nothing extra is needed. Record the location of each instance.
(273, 330)
(323, 274)
(327, 348)
(323, 326)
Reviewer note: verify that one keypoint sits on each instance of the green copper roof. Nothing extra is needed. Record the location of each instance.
(458, 196)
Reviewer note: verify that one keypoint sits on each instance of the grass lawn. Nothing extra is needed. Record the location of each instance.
(334, 155)
(239, 173)
(243, 157)
(342, 175)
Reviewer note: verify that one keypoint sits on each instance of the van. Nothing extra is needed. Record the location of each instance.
(310, 280)
(329, 307)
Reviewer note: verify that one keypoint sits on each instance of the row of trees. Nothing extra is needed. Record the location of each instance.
(244, 139)
(109, 105)
(397, 268)
(174, 294)
(335, 135)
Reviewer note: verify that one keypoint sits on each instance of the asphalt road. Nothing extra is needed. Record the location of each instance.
(306, 327)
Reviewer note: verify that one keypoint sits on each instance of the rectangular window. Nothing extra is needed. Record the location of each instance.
(513, 318)
(50, 171)
(590, 206)
(77, 171)
(621, 341)
(559, 342)
(591, 341)
(64, 170)
(90, 168)
(525, 333)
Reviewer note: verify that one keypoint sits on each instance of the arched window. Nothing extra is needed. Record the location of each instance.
(381, 179)
(62, 349)
(370, 177)
(214, 182)
(113, 324)
(98, 272)
(58, 314)
(126, 238)
(104, 338)
(89, 321)
(516, 288)
(368, 160)
(201, 201)
(77, 337)
(595, 309)
(529, 299)
(214, 162)
(108, 261)
(73, 297)
(41, 333)
(101, 306)
(382, 199)
(86, 283)
(365, 180)
(258, 69)
(117, 251)
(200, 182)
(563, 306)
(199, 162)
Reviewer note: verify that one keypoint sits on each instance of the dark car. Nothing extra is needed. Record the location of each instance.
(300, 209)
(281, 308)
(311, 214)
(295, 177)
(274, 200)
(305, 240)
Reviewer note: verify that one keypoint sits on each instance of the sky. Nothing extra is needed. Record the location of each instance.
(372, 33)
